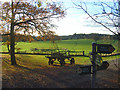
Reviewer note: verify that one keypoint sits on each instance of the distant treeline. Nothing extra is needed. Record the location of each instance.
(94, 36)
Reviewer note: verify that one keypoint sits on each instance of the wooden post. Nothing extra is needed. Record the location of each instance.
(83, 53)
(93, 65)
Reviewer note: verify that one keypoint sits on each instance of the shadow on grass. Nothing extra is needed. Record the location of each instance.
(23, 67)
(53, 75)
(57, 77)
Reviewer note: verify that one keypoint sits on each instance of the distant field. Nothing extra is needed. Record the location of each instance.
(73, 44)
(79, 44)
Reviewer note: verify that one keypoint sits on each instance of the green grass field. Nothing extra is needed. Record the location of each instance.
(78, 44)
(73, 44)
(41, 60)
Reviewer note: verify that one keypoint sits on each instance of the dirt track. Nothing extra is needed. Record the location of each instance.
(63, 77)
(109, 77)
(67, 77)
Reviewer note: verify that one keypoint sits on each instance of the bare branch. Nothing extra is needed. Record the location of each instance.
(80, 6)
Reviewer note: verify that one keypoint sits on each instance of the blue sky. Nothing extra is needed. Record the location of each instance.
(76, 21)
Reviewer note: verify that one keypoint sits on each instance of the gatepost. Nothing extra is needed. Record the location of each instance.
(92, 69)
(98, 48)
(93, 81)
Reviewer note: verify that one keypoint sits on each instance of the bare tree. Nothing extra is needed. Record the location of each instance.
(108, 15)
(29, 19)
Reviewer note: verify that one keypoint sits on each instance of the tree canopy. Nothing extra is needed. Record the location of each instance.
(28, 19)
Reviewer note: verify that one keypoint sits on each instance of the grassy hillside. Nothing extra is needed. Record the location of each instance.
(73, 44)
(80, 44)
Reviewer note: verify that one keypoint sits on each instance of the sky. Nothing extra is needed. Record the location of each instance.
(76, 21)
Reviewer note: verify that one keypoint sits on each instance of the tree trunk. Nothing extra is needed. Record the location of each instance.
(12, 39)
(12, 45)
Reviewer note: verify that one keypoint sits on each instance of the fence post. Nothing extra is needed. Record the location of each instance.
(93, 65)
(83, 53)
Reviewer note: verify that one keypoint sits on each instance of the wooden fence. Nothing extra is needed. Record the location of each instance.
(69, 53)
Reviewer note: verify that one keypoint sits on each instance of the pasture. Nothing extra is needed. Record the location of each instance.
(81, 44)
(33, 71)
(73, 44)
